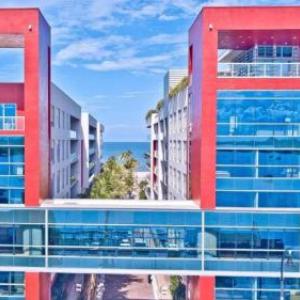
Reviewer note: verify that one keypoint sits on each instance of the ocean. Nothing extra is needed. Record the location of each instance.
(137, 148)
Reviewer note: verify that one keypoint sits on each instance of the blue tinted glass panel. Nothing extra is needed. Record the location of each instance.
(235, 199)
(17, 154)
(9, 110)
(258, 146)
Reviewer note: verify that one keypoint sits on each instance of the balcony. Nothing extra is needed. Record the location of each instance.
(74, 157)
(73, 134)
(73, 180)
(92, 165)
(92, 151)
(12, 123)
(259, 70)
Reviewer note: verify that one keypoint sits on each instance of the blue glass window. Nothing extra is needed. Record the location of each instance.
(12, 169)
(258, 146)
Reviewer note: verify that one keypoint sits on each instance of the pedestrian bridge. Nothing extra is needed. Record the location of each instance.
(172, 237)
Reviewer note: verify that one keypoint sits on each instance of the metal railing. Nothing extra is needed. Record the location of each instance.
(12, 123)
(261, 70)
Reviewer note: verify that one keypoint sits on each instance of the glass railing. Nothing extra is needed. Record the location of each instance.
(147, 238)
(262, 70)
(12, 123)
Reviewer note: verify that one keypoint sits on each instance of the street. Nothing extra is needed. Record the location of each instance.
(127, 287)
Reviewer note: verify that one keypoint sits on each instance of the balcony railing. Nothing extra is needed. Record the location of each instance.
(73, 135)
(12, 123)
(74, 157)
(92, 137)
(261, 70)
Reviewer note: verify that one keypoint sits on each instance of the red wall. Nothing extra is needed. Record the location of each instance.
(36, 67)
(37, 286)
(13, 93)
(201, 288)
(205, 83)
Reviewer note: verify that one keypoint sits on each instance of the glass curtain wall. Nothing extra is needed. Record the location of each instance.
(11, 169)
(258, 149)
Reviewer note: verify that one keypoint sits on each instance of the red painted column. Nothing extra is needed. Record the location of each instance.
(201, 288)
(32, 98)
(37, 286)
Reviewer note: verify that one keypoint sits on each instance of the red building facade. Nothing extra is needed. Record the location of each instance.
(227, 28)
(27, 29)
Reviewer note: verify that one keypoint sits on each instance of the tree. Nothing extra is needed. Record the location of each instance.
(143, 185)
(110, 183)
(116, 181)
(130, 164)
(177, 288)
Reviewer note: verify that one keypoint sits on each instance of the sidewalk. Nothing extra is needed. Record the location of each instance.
(161, 287)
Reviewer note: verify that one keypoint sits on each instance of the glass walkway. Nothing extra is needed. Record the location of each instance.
(146, 236)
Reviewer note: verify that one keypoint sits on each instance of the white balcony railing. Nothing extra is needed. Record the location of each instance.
(92, 151)
(73, 135)
(12, 123)
(92, 137)
(261, 70)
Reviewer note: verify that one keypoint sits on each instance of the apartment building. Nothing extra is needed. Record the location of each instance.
(168, 133)
(66, 139)
(244, 148)
(92, 134)
(41, 145)
(178, 126)
(76, 145)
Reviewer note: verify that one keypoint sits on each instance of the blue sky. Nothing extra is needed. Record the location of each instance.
(111, 55)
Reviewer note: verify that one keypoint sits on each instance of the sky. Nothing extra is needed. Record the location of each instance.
(111, 55)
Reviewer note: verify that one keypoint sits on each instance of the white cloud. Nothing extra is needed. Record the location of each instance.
(89, 33)
(135, 63)
(166, 39)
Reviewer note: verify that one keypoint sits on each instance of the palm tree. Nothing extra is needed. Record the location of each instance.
(110, 183)
(130, 164)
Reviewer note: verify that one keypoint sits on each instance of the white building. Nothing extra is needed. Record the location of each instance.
(70, 146)
(178, 145)
(92, 134)
(168, 133)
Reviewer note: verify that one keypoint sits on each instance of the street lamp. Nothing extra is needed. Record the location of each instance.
(286, 255)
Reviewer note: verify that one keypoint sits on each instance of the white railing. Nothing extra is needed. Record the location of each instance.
(12, 123)
(92, 137)
(262, 70)
(73, 134)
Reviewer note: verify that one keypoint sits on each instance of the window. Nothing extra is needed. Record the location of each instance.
(58, 151)
(3, 154)
(265, 51)
(52, 115)
(58, 182)
(287, 51)
(58, 118)
(7, 116)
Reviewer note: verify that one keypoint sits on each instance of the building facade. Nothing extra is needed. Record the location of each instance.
(92, 134)
(244, 150)
(240, 234)
(168, 134)
(76, 146)
(41, 144)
